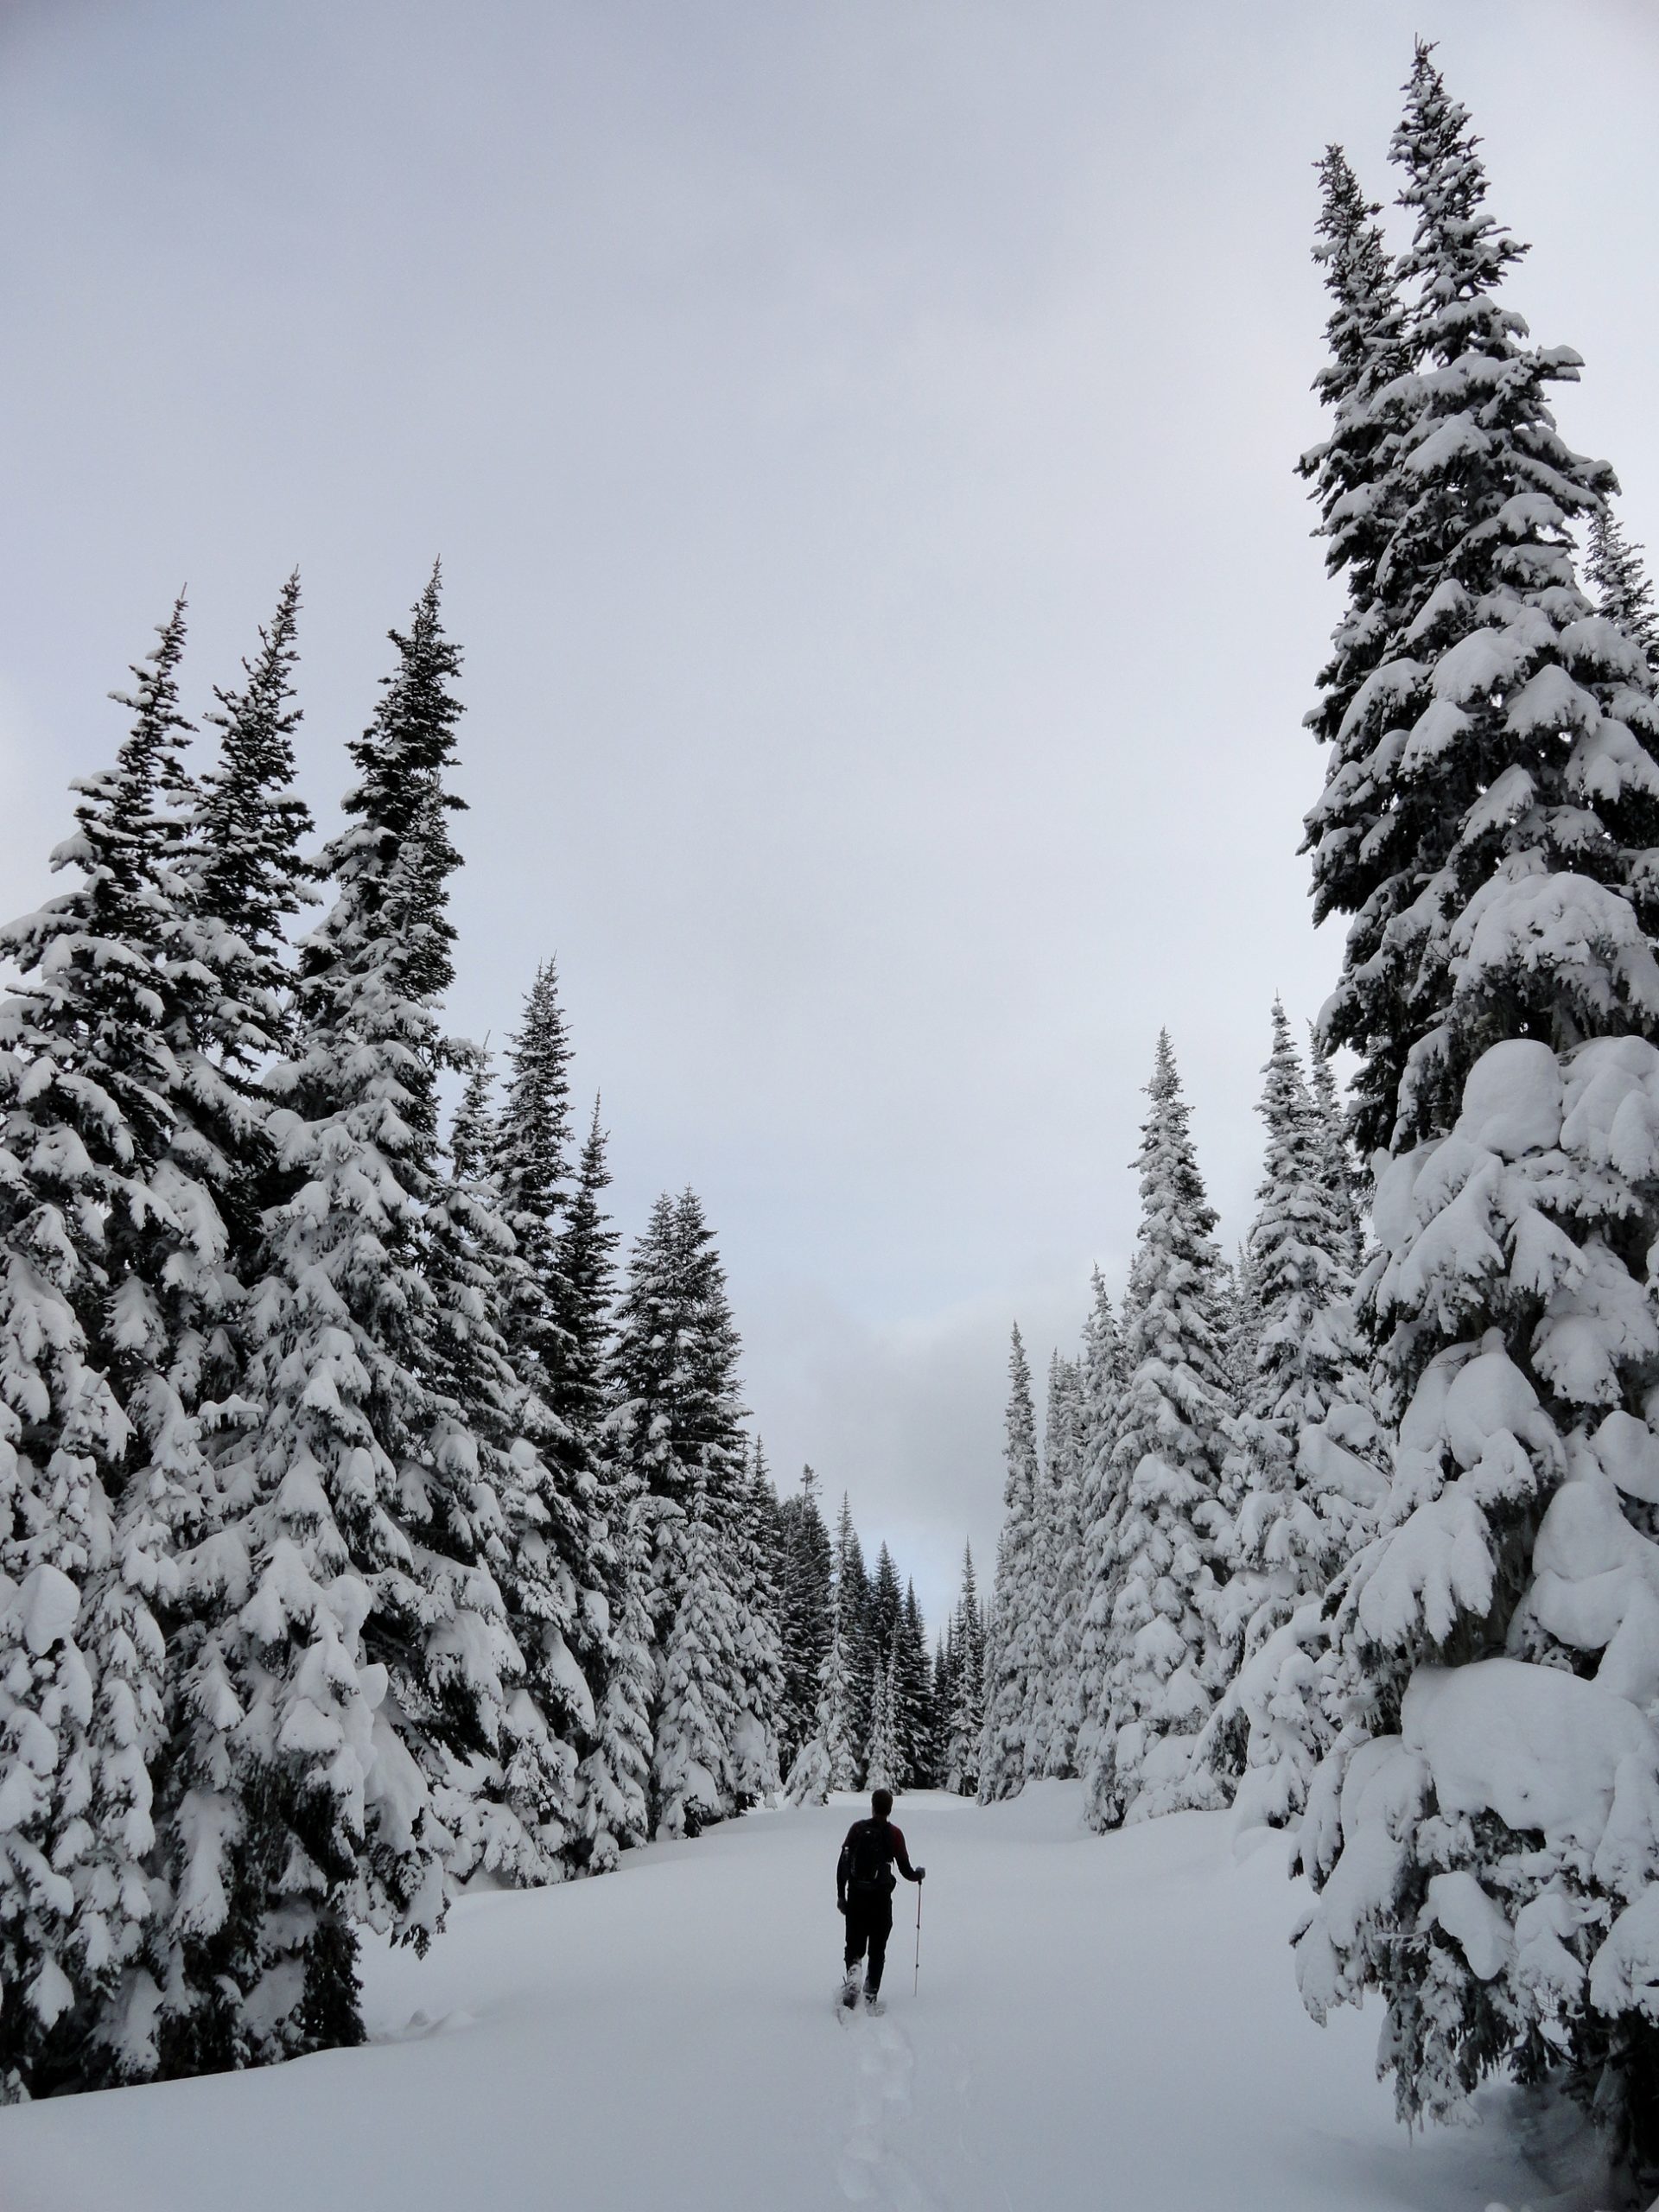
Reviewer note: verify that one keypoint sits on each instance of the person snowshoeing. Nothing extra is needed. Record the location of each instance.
(864, 1888)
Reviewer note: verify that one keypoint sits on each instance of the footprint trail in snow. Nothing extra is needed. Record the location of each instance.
(868, 2169)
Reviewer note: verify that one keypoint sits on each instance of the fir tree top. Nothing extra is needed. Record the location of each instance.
(1365, 331)
(1458, 253)
(1176, 1396)
(534, 1141)
(387, 941)
(1614, 572)
(674, 1369)
(100, 961)
(1020, 1484)
(247, 871)
(132, 818)
(1494, 787)
(582, 1285)
(472, 1131)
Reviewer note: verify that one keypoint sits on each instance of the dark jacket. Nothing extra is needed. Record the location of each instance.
(875, 1845)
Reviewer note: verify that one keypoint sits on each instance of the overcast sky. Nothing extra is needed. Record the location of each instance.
(859, 437)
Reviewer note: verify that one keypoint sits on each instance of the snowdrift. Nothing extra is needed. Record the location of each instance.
(1100, 2023)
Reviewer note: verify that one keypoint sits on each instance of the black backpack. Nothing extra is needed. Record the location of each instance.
(871, 1852)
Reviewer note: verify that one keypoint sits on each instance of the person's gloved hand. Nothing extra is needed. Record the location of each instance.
(921, 1873)
(840, 1907)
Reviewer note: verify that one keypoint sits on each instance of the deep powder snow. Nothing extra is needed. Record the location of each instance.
(1102, 2023)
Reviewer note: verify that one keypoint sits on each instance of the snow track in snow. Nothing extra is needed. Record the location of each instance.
(870, 2169)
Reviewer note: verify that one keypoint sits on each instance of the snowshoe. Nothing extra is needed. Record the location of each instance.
(848, 1999)
(873, 2003)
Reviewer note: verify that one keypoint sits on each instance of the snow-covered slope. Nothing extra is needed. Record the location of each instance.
(1100, 2023)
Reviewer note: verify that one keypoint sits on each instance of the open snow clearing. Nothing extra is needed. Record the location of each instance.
(1100, 2023)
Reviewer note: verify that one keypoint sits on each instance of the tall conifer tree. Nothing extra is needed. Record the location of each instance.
(514, 1813)
(883, 1758)
(1052, 1736)
(1344, 1183)
(1170, 1541)
(1504, 1000)
(1294, 1532)
(678, 1438)
(828, 1759)
(754, 1576)
(1613, 570)
(555, 1330)
(1101, 1490)
(107, 1231)
(1312, 1450)
(808, 1571)
(533, 1164)
(966, 1721)
(617, 1650)
(362, 1630)
(1014, 1659)
(912, 1703)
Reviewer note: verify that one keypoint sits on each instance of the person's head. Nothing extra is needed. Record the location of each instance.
(881, 1804)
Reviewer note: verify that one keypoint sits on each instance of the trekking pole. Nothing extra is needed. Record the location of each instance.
(916, 1983)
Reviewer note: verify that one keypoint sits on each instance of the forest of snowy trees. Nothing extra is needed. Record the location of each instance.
(865, 1704)
(371, 1522)
(364, 1524)
(1206, 1460)
(1360, 1532)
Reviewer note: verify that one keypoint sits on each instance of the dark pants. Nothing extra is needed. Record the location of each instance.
(869, 1923)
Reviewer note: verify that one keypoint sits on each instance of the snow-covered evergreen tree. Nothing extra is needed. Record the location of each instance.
(533, 1167)
(1309, 1444)
(912, 1702)
(239, 878)
(246, 866)
(1370, 345)
(554, 1324)
(693, 1778)
(752, 1578)
(1613, 570)
(1344, 1182)
(1169, 1544)
(1101, 1490)
(118, 1115)
(1238, 1321)
(225, 873)
(515, 1813)
(883, 1600)
(1053, 1729)
(1362, 491)
(582, 1283)
(808, 1572)
(1291, 1535)
(677, 1439)
(942, 1699)
(1472, 805)
(828, 1759)
(616, 1773)
(1490, 1858)
(855, 1581)
(883, 1759)
(1015, 1659)
(359, 1627)
(615, 1637)
(966, 1720)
